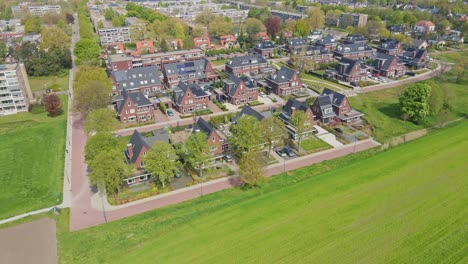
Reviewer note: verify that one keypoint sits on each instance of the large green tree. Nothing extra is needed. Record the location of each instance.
(33, 25)
(101, 120)
(54, 37)
(414, 102)
(86, 52)
(195, 152)
(250, 170)
(302, 28)
(253, 26)
(91, 96)
(246, 134)
(100, 142)
(316, 18)
(108, 169)
(161, 162)
(299, 120)
(273, 131)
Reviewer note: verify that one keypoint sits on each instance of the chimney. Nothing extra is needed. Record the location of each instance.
(293, 110)
(130, 150)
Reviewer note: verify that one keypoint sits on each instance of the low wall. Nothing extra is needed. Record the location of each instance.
(404, 138)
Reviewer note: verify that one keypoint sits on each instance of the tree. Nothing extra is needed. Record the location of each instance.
(33, 25)
(91, 96)
(101, 120)
(218, 27)
(3, 51)
(100, 25)
(161, 162)
(137, 33)
(163, 46)
(414, 102)
(250, 171)
(436, 99)
(316, 17)
(253, 26)
(69, 18)
(109, 14)
(100, 142)
(88, 74)
(302, 63)
(259, 13)
(196, 152)
(179, 30)
(299, 121)
(290, 25)
(205, 17)
(198, 31)
(273, 131)
(273, 26)
(52, 104)
(396, 18)
(246, 134)
(86, 52)
(54, 37)
(108, 169)
(301, 28)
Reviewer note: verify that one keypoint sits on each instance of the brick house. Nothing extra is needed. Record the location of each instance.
(388, 65)
(353, 51)
(265, 48)
(202, 42)
(355, 38)
(263, 36)
(247, 65)
(240, 90)
(188, 72)
(349, 70)
(143, 47)
(332, 107)
(229, 41)
(146, 80)
(284, 82)
(216, 143)
(316, 54)
(119, 62)
(134, 107)
(189, 98)
(247, 110)
(390, 47)
(291, 106)
(414, 57)
(327, 42)
(296, 44)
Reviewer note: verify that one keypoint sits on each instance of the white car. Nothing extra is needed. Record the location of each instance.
(262, 94)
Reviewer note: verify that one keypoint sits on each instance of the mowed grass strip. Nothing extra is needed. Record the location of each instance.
(406, 204)
(31, 161)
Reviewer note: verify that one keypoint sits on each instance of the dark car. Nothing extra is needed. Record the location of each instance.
(281, 152)
(353, 83)
(289, 151)
(169, 112)
(227, 158)
(339, 130)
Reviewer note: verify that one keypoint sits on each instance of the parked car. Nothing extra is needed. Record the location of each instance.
(227, 158)
(262, 94)
(289, 151)
(281, 152)
(169, 112)
(339, 130)
(353, 83)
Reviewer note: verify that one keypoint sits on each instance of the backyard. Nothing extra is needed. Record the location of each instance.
(53, 82)
(31, 160)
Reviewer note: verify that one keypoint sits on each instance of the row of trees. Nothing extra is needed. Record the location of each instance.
(87, 48)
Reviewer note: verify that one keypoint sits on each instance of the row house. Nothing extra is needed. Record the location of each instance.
(134, 107)
(114, 35)
(296, 44)
(188, 98)
(317, 54)
(247, 65)
(202, 42)
(353, 51)
(354, 39)
(349, 70)
(216, 142)
(265, 48)
(390, 47)
(188, 72)
(388, 66)
(332, 107)
(327, 42)
(240, 90)
(146, 80)
(291, 106)
(414, 57)
(284, 82)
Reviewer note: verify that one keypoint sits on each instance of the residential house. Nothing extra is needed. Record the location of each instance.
(388, 65)
(353, 51)
(216, 142)
(296, 44)
(414, 57)
(314, 35)
(247, 110)
(202, 42)
(138, 147)
(189, 98)
(349, 70)
(240, 90)
(114, 48)
(265, 48)
(332, 107)
(119, 62)
(317, 54)
(134, 107)
(424, 27)
(229, 41)
(390, 47)
(291, 106)
(247, 65)
(176, 44)
(284, 82)
(146, 80)
(355, 38)
(420, 44)
(188, 72)
(327, 42)
(397, 29)
(143, 47)
(263, 36)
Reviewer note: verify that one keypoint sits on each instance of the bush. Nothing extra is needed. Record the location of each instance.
(162, 106)
(220, 105)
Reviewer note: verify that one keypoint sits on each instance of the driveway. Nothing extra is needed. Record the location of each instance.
(328, 137)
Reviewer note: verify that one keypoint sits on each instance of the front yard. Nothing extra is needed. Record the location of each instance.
(313, 144)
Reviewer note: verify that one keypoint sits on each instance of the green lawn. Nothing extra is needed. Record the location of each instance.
(219, 62)
(450, 56)
(313, 145)
(403, 205)
(31, 161)
(42, 83)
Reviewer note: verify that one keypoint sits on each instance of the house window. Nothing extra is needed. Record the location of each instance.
(213, 139)
(142, 164)
(328, 111)
(143, 178)
(130, 181)
(144, 154)
(213, 148)
(345, 109)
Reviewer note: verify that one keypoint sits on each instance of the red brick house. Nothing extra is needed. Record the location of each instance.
(240, 90)
(189, 98)
(134, 107)
(263, 36)
(188, 72)
(284, 82)
(349, 70)
(265, 48)
(247, 65)
(202, 42)
(388, 66)
(229, 41)
(333, 107)
(390, 47)
(216, 143)
(291, 106)
(144, 47)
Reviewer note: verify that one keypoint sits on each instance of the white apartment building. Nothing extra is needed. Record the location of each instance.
(24, 9)
(15, 92)
(113, 35)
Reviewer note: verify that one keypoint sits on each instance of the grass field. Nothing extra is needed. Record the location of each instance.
(42, 83)
(313, 145)
(407, 206)
(450, 56)
(31, 160)
(219, 62)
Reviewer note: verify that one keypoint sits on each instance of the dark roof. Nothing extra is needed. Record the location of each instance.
(383, 61)
(327, 40)
(137, 77)
(397, 28)
(293, 102)
(138, 141)
(138, 99)
(355, 38)
(325, 103)
(355, 47)
(389, 44)
(336, 98)
(203, 126)
(282, 75)
(297, 42)
(233, 81)
(183, 69)
(193, 87)
(349, 65)
(247, 110)
(246, 60)
(265, 45)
